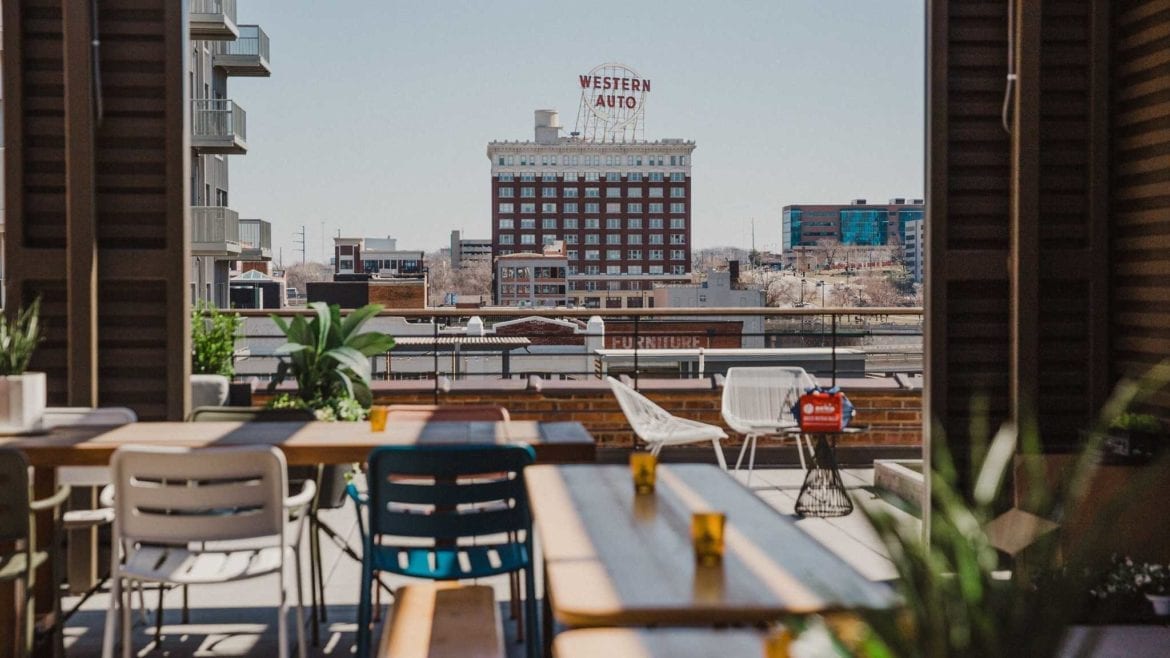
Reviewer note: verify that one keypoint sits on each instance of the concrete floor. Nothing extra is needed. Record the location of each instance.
(240, 619)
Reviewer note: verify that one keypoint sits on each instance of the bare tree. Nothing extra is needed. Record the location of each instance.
(828, 251)
(296, 276)
(474, 279)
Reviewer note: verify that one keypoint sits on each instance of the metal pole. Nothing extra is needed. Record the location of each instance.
(435, 351)
(636, 351)
(834, 350)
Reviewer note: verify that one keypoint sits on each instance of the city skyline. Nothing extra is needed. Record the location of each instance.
(795, 102)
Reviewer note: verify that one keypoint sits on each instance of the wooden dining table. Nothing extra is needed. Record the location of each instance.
(613, 558)
(302, 443)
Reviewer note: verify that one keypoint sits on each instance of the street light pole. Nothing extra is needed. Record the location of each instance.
(821, 285)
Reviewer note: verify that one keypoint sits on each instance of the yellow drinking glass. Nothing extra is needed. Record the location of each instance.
(378, 419)
(778, 643)
(707, 537)
(644, 467)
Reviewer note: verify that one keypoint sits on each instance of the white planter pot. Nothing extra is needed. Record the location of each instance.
(22, 402)
(1161, 604)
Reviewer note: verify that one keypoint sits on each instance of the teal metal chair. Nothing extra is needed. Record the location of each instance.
(448, 493)
(18, 524)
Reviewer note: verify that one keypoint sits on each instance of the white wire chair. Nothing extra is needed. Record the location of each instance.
(658, 428)
(758, 402)
(187, 516)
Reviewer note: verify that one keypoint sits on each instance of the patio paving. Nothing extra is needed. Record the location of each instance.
(239, 619)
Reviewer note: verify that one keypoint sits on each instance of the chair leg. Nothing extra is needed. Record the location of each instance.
(719, 454)
(656, 448)
(186, 617)
(300, 606)
(111, 616)
(127, 631)
(320, 566)
(314, 613)
(282, 616)
(158, 617)
(532, 641)
(751, 462)
(800, 450)
(363, 629)
(28, 621)
(743, 450)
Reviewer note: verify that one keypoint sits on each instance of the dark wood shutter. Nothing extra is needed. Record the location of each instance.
(96, 208)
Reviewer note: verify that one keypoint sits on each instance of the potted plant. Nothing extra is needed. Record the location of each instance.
(1129, 580)
(1135, 437)
(213, 349)
(22, 394)
(328, 356)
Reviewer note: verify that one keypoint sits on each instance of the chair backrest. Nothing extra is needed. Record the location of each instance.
(429, 412)
(14, 494)
(178, 495)
(448, 492)
(762, 395)
(62, 416)
(249, 415)
(642, 413)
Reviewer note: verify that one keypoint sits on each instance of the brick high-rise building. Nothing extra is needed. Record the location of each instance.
(622, 209)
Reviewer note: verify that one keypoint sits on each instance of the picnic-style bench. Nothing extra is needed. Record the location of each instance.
(443, 620)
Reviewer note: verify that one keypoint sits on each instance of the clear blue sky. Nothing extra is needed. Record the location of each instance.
(377, 115)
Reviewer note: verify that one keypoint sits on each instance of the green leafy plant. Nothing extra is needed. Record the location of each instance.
(1125, 577)
(1135, 422)
(19, 339)
(329, 357)
(213, 340)
(331, 409)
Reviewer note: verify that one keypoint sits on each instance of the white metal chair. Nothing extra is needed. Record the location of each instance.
(658, 428)
(758, 402)
(217, 515)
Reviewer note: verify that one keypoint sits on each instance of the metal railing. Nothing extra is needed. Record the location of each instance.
(214, 225)
(253, 41)
(256, 236)
(441, 345)
(218, 118)
(225, 7)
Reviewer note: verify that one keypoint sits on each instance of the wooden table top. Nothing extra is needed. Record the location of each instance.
(301, 442)
(658, 643)
(616, 559)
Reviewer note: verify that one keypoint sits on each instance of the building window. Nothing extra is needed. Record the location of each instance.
(678, 238)
(591, 176)
(634, 193)
(511, 160)
(655, 254)
(570, 238)
(614, 269)
(528, 192)
(613, 192)
(549, 177)
(527, 178)
(656, 269)
(507, 192)
(655, 238)
(634, 238)
(548, 192)
(613, 223)
(570, 208)
(548, 207)
(506, 178)
(634, 269)
(570, 223)
(571, 254)
(507, 224)
(592, 192)
(592, 254)
(635, 223)
(635, 177)
(527, 238)
(548, 223)
(592, 222)
(593, 208)
(678, 192)
(528, 224)
(613, 207)
(507, 238)
(529, 208)
(655, 176)
(548, 239)
(677, 176)
(678, 254)
(506, 208)
(656, 193)
(613, 176)
(678, 207)
(678, 222)
(656, 207)
(634, 254)
(592, 238)
(613, 238)
(634, 208)
(572, 269)
(656, 222)
(592, 269)
(506, 252)
(613, 254)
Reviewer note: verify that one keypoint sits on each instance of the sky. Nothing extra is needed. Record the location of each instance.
(376, 118)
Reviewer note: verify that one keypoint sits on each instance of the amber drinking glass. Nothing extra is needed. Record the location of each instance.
(643, 467)
(707, 537)
(378, 419)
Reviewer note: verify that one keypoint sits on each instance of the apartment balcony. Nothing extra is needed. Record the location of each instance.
(215, 231)
(246, 56)
(213, 20)
(218, 126)
(255, 239)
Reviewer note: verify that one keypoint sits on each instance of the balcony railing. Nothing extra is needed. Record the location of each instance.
(255, 239)
(215, 231)
(246, 56)
(213, 20)
(218, 126)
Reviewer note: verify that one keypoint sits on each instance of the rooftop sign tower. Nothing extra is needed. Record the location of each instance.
(613, 104)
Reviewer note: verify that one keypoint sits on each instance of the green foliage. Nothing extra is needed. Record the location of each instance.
(329, 356)
(19, 339)
(902, 281)
(954, 602)
(213, 340)
(331, 409)
(1134, 422)
(1126, 577)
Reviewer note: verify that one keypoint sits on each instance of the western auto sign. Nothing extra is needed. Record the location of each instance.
(614, 92)
(613, 102)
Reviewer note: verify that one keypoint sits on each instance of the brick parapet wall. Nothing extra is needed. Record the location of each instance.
(894, 416)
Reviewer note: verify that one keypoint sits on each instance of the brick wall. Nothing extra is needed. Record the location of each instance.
(893, 415)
